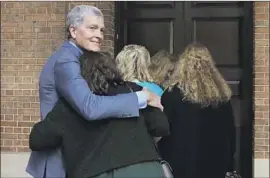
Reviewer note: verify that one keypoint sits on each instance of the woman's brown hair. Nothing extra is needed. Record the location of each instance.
(99, 70)
(162, 65)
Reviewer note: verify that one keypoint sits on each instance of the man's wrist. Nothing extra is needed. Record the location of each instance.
(142, 99)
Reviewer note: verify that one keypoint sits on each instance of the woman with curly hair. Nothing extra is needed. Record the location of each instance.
(201, 143)
(117, 148)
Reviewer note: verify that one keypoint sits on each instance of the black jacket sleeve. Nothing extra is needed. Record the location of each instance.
(231, 136)
(47, 134)
(156, 122)
(169, 100)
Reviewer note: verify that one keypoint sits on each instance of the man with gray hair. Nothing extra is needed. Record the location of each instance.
(61, 77)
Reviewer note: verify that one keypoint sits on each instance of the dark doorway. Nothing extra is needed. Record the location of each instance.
(227, 30)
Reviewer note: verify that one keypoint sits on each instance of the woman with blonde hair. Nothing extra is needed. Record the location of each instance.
(197, 103)
(134, 62)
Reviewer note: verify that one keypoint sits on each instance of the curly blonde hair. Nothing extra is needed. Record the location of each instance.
(133, 62)
(198, 78)
(162, 65)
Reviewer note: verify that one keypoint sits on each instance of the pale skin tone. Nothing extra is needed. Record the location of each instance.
(90, 34)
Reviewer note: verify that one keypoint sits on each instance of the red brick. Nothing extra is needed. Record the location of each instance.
(261, 91)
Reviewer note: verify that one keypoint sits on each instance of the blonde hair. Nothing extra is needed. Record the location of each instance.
(199, 79)
(162, 65)
(133, 62)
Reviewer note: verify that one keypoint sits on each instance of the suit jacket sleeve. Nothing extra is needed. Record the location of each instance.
(156, 122)
(47, 134)
(72, 86)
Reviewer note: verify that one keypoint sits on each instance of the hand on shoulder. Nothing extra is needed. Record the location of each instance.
(153, 99)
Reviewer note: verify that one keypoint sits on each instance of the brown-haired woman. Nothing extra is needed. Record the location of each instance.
(197, 102)
(162, 65)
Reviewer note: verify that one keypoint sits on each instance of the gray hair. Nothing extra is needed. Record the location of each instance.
(76, 16)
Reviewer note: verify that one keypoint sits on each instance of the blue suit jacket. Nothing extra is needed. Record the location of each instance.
(61, 77)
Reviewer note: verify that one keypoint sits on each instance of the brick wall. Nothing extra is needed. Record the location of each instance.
(31, 31)
(261, 71)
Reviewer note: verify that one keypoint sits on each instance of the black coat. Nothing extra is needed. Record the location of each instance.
(201, 143)
(90, 148)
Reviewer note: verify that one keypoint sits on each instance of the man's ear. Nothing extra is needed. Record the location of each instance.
(72, 32)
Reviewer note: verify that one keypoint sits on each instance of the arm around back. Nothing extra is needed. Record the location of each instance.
(47, 134)
(156, 122)
(73, 87)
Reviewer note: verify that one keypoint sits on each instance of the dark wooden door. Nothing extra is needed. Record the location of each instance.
(156, 25)
(224, 27)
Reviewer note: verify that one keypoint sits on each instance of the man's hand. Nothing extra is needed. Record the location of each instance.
(153, 99)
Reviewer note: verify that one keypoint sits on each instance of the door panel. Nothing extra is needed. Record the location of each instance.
(156, 25)
(222, 27)
(150, 4)
(139, 34)
(223, 33)
(217, 3)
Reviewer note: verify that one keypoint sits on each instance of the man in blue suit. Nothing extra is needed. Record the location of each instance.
(61, 77)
